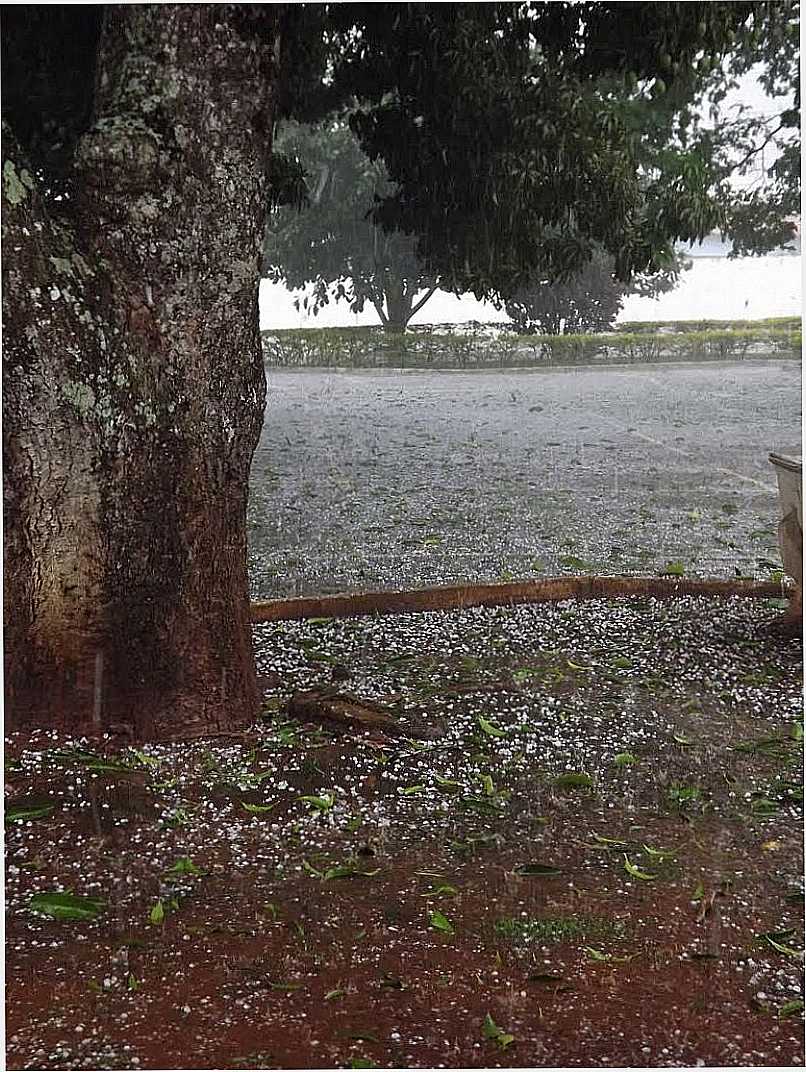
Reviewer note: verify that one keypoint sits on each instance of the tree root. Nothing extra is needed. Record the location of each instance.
(550, 589)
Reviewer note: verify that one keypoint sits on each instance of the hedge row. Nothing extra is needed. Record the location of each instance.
(486, 346)
(654, 327)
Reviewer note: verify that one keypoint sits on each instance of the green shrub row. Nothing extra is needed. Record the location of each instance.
(653, 327)
(486, 346)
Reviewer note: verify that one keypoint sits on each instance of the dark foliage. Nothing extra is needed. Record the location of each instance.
(48, 55)
(511, 156)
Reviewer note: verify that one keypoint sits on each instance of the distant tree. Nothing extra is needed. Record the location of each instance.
(333, 245)
(588, 301)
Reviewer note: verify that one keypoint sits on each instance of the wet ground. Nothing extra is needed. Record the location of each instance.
(597, 864)
(599, 860)
(389, 479)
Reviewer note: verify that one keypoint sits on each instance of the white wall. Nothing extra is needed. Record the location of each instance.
(748, 288)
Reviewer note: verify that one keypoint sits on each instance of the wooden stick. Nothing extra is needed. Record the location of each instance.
(546, 590)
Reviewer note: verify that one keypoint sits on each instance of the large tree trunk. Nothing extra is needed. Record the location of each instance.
(134, 387)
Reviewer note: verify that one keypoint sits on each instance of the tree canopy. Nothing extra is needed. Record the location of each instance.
(333, 244)
(519, 138)
(507, 146)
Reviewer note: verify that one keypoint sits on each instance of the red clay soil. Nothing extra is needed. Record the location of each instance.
(597, 862)
(306, 973)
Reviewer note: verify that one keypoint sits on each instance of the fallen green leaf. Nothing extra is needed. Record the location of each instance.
(659, 854)
(440, 922)
(576, 666)
(790, 1008)
(323, 803)
(144, 758)
(446, 890)
(487, 784)
(257, 809)
(625, 759)
(572, 562)
(615, 843)
(574, 780)
(494, 1033)
(18, 812)
(631, 869)
(524, 674)
(684, 794)
(536, 869)
(673, 569)
(490, 729)
(183, 866)
(346, 871)
(622, 663)
(785, 950)
(63, 906)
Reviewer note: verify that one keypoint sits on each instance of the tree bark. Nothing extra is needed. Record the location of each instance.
(133, 386)
(398, 306)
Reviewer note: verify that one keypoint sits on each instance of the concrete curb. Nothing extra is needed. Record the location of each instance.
(546, 590)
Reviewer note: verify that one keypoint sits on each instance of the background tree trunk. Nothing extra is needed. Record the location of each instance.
(398, 305)
(134, 388)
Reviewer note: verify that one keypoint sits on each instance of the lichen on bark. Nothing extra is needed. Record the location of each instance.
(16, 185)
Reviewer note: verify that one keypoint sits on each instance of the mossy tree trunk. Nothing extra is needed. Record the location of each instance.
(134, 387)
